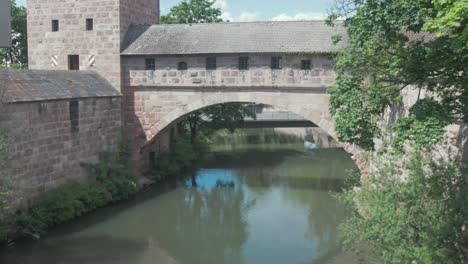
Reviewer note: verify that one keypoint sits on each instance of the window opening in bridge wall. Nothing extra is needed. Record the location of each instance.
(74, 109)
(150, 64)
(55, 25)
(211, 63)
(243, 63)
(73, 62)
(182, 66)
(306, 65)
(276, 63)
(89, 24)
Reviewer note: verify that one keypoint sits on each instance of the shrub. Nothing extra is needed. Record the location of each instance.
(415, 220)
(110, 182)
(181, 157)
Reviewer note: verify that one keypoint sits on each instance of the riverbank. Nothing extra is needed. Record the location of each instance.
(110, 180)
(232, 214)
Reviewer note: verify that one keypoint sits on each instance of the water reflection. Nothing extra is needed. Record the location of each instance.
(248, 206)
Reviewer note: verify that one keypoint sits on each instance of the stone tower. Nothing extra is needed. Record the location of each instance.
(84, 34)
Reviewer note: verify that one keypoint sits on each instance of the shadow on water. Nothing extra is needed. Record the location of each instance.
(76, 250)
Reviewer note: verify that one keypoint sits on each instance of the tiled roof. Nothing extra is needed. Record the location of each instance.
(250, 37)
(38, 85)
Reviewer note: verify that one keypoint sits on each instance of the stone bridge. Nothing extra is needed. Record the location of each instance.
(154, 111)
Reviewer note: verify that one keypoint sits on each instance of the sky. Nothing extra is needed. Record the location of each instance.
(254, 10)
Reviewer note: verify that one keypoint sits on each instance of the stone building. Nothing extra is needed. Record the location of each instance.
(102, 67)
(55, 120)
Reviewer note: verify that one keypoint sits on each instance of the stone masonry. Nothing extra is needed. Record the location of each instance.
(227, 73)
(98, 49)
(45, 152)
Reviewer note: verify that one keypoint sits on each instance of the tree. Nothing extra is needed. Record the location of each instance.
(212, 118)
(397, 44)
(17, 55)
(420, 220)
(410, 213)
(192, 11)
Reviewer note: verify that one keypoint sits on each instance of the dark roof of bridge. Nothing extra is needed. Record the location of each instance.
(223, 38)
(39, 85)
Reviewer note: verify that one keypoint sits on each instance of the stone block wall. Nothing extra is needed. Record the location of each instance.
(46, 149)
(228, 73)
(99, 49)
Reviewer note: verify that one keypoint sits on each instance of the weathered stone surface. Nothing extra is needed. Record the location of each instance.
(99, 49)
(44, 150)
(260, 73)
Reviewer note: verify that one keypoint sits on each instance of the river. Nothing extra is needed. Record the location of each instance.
(266, 203)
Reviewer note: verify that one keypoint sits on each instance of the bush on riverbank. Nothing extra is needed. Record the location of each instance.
(254, 136)
(182, 156)
(111, 181)
(416, 220)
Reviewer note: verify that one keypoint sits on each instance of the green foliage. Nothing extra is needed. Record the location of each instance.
(61, 205)
(111, 181)
(423, 127)
(388, 50)
(253, 136)
(221, 116)
(192, 11)
(181, 157)
(450, 13)
(17, 55)
(417, 220)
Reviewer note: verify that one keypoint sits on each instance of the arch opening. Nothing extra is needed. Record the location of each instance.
(267, 115)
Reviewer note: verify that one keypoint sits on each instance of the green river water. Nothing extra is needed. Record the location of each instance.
(254, 204)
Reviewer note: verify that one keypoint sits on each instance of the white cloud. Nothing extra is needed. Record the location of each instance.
(227, 16)
(246, 17)
(300, 16)
(221, 4)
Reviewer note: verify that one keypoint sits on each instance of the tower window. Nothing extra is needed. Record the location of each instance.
(55, 25)
(89, 24)
(306, 65)
(74, 109)
(243, 63)
(211, 63)
(150, 64)
(276, 63)
(73, 62)
(182, 66)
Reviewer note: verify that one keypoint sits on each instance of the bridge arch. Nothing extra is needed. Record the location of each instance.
(311, 106)
(151, 111)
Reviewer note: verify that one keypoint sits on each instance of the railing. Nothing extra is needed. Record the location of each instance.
(276, 116)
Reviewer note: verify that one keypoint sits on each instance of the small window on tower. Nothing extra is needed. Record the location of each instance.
(211, 63)
(182, 66)
(306, 65)
(276, 63)
(73, 62)
(150, 64)
(89, 24)
(55, 25)
(243, 63)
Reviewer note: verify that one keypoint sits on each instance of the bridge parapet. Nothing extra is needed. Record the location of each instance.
(227, 73)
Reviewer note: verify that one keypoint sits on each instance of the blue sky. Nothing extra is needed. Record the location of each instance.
(252, 10)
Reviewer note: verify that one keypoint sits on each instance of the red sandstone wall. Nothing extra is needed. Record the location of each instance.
(99, 49)
(44, 152)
